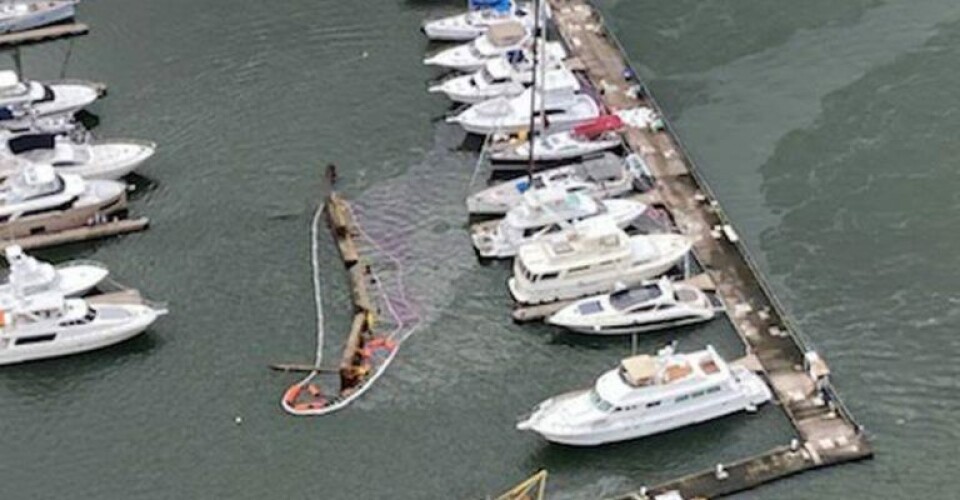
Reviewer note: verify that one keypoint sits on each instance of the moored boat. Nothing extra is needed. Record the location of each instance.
(559, 104)
(30, 276)
(37, 200)
(495, 43)
(22, 15)
(647, 395)
(96, 159)
(477, 20)
(591, 137)
(545, 212)
(48, 325)
(604, 177)
(21, 102)
(595, 256)
(647, 307)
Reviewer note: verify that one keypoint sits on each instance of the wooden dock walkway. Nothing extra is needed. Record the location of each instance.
(44, 34)
(826, 431)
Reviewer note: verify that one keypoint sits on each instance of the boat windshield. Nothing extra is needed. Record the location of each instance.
(599, 403)
(626, 299)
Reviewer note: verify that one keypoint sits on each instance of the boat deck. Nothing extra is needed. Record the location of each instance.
(826, 432)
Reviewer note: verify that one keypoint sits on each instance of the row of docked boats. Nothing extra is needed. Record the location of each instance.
(54, 175)
(573, 225)
(58, 183)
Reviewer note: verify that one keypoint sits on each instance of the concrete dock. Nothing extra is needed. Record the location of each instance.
(826, 433)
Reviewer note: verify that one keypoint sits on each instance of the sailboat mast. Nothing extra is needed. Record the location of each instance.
(533, 87)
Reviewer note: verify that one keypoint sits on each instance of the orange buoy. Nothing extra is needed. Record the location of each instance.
(290, 397)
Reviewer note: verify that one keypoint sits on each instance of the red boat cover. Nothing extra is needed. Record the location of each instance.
(599, 125)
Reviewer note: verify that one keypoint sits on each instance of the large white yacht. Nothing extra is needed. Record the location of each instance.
(37, 199)
(47, 325)
(648, 307)
(21, 15)
(22, 101)
(495, 43)
(475, 22)
(646, 395)
(607, 176)
(90, 159)
(594, 256)
(558, 98)
(29, 276)
(544, 212)
(588, 138)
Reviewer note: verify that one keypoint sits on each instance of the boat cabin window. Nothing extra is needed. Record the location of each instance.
(600, 403)
(47, 94)
(653, 404)
(549, 276)
(35, 339)
(559, 177)
(626, 299)
(682, 398)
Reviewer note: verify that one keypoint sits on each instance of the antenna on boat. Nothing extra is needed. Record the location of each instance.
(533, 88)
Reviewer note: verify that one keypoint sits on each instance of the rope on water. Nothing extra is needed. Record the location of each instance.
(315, 260)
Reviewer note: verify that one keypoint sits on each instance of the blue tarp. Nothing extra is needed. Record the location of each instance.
(499, 5)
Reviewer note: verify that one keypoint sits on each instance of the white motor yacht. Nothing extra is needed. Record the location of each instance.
(544, 212)
(644, 308)
(588, 138)
(498, 78)
(23, 101)
(594, 256)
(37, 189)
(48, 325)
(21, 15)
(647, 395)
(558, 98)
(96, 159)
(608, 176)
(475, 22)
(495, 43)
(29, 276)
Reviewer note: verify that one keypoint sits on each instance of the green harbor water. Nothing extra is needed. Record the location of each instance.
(827, 130)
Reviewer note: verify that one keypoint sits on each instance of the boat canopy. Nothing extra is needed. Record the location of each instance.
(497, 5)
(599, 125)
(604, 168)
(506, 34)
(639, 370)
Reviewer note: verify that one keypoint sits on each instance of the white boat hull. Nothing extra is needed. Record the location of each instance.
(662, 423)
(75, 344)
(60, 12)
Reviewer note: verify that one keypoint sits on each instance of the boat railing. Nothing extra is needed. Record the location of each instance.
(803, 342)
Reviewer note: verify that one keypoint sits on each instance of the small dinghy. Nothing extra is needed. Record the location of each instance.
(23, 101)
(29, 276)
(98, 159)
(476, 21)
(545, 212)
(589, 138)
(608, 176)
(495, 43)
(648, 307)
(594, 256)
(561, 101)
(22, 15)
(647, 395)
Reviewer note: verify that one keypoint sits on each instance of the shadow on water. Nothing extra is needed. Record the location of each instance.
(51, 377)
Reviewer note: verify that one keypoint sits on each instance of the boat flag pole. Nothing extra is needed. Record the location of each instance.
(533, 89)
